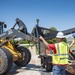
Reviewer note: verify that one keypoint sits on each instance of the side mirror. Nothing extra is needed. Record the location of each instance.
(5, 26)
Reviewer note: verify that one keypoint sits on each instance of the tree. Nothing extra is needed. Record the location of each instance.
(51, 40)
(52, 28)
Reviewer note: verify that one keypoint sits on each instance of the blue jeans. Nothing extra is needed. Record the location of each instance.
(58, 70)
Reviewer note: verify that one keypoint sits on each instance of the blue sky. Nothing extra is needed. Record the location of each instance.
(52, 13)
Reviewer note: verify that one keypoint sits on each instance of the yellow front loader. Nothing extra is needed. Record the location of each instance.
(13, 53)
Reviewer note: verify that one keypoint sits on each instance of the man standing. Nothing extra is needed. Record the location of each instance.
(60, 55)
(73, 42)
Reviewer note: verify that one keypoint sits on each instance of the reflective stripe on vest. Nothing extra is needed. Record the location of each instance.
(61, 57)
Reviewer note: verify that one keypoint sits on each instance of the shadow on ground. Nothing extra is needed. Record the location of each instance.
(32, 67)
(15, 69)
(68, 73)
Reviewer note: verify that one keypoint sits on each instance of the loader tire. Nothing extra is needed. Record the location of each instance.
(26, 56)
(6, 61)
(48, 67)
(48, 64)
(43, 61)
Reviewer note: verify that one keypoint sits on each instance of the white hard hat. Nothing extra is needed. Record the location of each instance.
(60, 35)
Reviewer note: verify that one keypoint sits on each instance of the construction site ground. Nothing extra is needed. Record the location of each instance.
(33, 68)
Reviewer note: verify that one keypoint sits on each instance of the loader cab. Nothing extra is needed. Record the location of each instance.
(2, 26)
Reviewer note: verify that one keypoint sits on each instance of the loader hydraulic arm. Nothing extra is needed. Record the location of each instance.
(19, 33)
(37, 31)
(21, 25)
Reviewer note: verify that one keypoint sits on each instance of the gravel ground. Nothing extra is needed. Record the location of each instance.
(33, 68)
